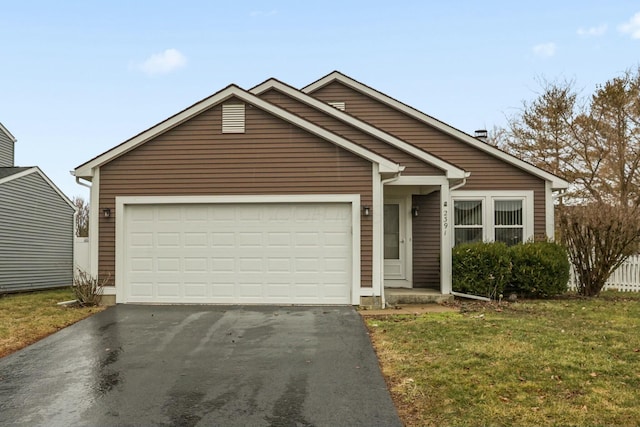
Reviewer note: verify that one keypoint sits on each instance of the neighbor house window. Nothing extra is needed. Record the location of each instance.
(501, 216)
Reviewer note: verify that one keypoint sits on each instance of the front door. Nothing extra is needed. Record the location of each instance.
(394, 239)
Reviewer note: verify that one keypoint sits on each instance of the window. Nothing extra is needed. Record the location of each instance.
(467, 221)
(508, 226)
(502, 216)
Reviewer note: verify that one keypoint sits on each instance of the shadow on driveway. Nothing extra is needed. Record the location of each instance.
(200, 365)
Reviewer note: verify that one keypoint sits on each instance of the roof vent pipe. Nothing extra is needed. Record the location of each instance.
(482, 135)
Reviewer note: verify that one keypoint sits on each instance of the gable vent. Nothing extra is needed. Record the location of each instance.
(339, 105)
(232, 118)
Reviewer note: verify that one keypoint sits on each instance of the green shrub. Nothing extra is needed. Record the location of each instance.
(481, 268)
(535, 269)
(540, 269)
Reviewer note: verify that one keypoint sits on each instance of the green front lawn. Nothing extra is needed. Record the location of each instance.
(557, 362)
(29, 317)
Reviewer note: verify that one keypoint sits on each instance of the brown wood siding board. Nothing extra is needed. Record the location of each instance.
(413, 165)
(319, 167)
(426, 241)
(487, 172)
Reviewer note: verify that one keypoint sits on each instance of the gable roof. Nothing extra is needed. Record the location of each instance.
(556, 182)
(452, 171)
(7, 172)
(12, 173)
(85, 170)
(6, 132)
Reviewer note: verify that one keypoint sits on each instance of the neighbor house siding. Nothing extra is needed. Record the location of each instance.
(413, 166)
(426, 241)
(36, 225)
(271, 157)
(487, 172)
(6, 151)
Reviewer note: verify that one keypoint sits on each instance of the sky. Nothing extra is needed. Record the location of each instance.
(79, 77)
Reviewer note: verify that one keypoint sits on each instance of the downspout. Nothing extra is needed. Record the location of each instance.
(460, 184)
(381, 209)
(446, 244)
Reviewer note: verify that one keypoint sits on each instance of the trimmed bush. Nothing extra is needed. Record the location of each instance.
(535, 269)
(540, 269)
(481, 268)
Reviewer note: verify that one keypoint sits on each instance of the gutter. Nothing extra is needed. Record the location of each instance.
(381, 209)
(73, 173)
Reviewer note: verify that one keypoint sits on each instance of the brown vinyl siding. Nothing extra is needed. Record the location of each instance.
(271, 157)
(487, 172)
(413, 165)
(426, 241)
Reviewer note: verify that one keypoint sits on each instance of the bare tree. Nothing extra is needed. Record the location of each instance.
(82, 218)
(594, 143)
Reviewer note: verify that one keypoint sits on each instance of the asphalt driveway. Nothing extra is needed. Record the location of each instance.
(200, 365)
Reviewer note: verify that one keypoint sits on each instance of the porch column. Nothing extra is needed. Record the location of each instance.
(445, 239)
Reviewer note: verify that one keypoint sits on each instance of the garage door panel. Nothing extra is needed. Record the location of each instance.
(243, 253)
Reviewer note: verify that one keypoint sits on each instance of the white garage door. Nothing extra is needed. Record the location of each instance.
(272, 253)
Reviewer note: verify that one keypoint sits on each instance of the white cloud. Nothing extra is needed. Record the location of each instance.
(163, 63)
(260, 13)
(632, 27)
(545, 50)
(592, 31)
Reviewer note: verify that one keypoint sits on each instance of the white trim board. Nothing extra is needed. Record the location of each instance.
(86, 170)
(6, 132)
(37, 170)
(353, 199)
(487, 197)
(451, 171)
(557, 183)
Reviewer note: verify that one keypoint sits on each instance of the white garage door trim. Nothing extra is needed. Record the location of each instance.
(123, 201)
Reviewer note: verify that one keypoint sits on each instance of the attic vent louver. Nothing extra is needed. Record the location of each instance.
(339, 105)
(232, 118)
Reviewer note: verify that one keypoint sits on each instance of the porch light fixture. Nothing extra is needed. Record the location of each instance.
(106, 212)
(366, 210)
(415, 210)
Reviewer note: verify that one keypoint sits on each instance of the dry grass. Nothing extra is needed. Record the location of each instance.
(27, 318)
(561, 362)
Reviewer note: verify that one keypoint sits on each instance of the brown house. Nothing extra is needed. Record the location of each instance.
(325, 195)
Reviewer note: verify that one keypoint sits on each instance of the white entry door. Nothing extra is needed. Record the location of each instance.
(394, 239)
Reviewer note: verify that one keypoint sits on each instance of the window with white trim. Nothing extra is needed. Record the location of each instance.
(503, 216)
(468, 224)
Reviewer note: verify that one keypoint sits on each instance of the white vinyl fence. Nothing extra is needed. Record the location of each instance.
(625, 279)
(81, 254)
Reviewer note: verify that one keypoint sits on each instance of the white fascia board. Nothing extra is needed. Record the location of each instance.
(386, 165)
(419, 180)
(86, 170)
(451, 171)
(6, 132)
(556, 182)
(17, 175)
(37, 170)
